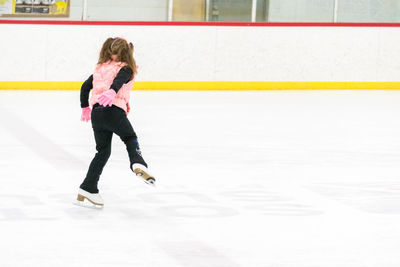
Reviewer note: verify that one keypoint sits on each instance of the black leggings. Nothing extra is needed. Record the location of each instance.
(105, 122)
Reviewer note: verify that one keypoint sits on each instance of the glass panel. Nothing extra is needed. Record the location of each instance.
(230, 10)
(193, 10)
(262, 10)
(369, 11)
(129, 10)
(301, 10)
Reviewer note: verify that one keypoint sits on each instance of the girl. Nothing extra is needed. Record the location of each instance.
(111, 81)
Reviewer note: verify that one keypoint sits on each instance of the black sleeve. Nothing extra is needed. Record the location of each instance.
(85, 90)
(124, 76)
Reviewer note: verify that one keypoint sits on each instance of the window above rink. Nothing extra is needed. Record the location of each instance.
(380, 11)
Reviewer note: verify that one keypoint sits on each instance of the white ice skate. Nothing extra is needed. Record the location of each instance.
(89, 200)
(142, 173)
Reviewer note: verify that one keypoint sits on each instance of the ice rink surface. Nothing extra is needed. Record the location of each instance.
(251, 179)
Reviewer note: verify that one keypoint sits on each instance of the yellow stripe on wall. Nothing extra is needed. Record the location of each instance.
(40, 85)
(225, 86)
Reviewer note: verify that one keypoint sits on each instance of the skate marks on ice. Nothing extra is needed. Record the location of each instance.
(10, 211)
(370, 197)
(196, 254)
(42, 146)
(166, 203)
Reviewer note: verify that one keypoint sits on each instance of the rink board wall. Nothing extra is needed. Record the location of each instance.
(206, 56)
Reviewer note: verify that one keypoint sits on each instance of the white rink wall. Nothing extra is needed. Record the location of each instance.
(205, 53)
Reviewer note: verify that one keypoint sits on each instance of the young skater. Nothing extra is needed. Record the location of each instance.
(111, 84)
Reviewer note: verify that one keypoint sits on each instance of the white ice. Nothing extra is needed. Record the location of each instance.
(252, 179)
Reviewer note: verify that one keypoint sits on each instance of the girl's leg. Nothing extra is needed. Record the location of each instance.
(138, 165)
(103, 146)
(128, 136)
(122, 127)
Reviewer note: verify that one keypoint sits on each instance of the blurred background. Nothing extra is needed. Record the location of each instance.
(227, 10)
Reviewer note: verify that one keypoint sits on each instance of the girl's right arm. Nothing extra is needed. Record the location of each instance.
(85, 90)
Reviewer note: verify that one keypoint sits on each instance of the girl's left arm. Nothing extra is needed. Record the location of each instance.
(124, 76)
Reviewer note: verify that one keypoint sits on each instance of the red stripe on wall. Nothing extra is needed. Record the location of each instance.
(177, 23)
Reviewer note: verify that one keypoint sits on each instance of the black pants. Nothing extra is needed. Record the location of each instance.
(105, 122)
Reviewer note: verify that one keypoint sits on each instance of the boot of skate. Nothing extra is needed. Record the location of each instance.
(142, 172)
(87, 199)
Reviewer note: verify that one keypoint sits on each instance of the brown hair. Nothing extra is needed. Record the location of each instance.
(121, 48)
(105, 52)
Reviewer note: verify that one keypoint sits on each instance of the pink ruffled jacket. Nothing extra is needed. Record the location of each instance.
(103, 77)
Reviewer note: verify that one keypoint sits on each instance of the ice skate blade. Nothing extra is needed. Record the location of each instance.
(150, 181)
(143, 175)
(87, 203)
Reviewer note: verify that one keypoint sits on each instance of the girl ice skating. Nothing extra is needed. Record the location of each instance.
(110, 87)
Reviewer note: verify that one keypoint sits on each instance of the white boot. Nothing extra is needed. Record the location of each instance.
(142, 172)
(92, 200)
